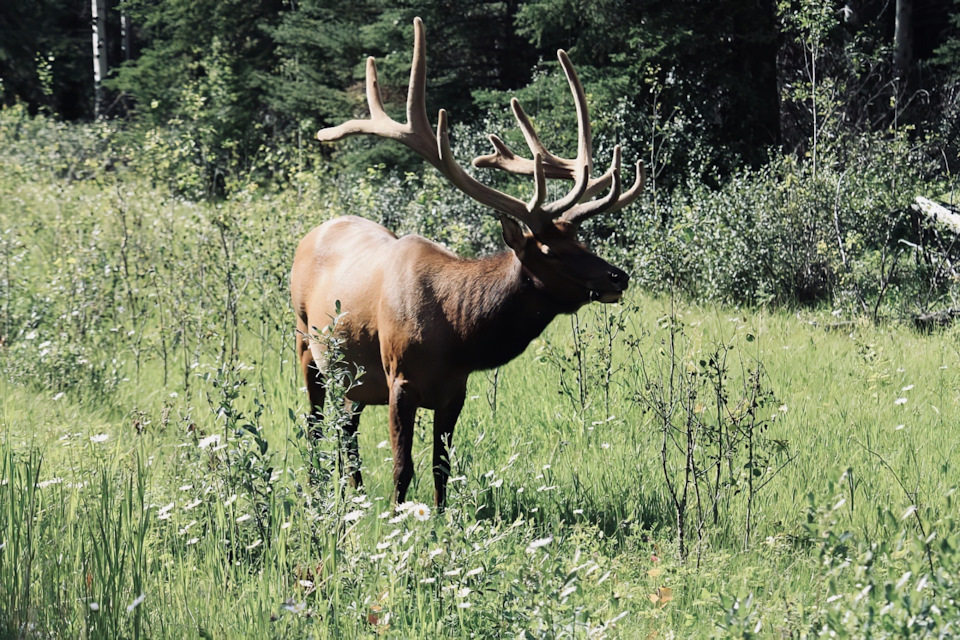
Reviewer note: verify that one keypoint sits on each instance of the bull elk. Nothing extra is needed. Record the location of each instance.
(417, 318)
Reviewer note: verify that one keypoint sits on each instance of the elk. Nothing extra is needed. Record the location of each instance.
(418, 319)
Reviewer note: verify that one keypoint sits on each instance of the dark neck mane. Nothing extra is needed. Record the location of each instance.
(494, 308)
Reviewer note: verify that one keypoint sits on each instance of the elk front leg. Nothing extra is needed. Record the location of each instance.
(352, 445)
(444, 420)
(403, 413)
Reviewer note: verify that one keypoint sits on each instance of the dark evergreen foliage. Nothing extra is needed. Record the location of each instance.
(722, 81)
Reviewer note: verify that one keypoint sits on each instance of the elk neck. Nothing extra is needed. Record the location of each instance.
(496, 308)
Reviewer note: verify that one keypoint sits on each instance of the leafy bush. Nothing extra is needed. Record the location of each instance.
(785, 235)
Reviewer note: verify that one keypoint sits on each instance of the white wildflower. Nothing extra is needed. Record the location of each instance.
(255, 544)
(474, 572)
(209, 440)
(100, 437)
(136, 603)
(294, 607)
(899, 401)
(536, 544)
(356, 514)
(244, 518)
(420, 511)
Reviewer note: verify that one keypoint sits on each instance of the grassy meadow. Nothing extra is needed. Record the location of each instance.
(155, 479)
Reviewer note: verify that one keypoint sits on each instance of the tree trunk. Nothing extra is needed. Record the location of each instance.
(98, 11)
(903, 42)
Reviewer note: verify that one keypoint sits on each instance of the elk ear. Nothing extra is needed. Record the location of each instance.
(512, 233)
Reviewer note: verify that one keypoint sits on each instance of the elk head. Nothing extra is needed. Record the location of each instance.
(542, 234)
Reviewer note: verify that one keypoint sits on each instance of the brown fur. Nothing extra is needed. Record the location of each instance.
(419, 319)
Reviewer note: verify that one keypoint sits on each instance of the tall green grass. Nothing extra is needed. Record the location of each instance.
(152, 482)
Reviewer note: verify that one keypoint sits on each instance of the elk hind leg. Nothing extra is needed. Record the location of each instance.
(313, 378)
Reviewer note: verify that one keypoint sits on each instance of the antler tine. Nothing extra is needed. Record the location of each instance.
(584, 134)
(563, 166)
(614, 200)
(374, 99)
(539, 185)
(417, 94)
(634, 191)
(502, 202)
(582, 211)
(417, 132)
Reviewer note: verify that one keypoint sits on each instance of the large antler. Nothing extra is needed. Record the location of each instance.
(418, 135)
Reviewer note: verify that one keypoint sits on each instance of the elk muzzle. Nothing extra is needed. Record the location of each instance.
(612, 290)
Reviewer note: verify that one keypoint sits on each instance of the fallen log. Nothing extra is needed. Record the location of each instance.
(937, 213)
(935, 319)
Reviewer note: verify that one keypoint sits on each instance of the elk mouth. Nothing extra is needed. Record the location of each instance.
(606, 297)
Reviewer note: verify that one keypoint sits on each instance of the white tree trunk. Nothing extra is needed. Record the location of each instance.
(98, 11)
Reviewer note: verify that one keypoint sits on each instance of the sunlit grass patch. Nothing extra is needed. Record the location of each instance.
(153, 478)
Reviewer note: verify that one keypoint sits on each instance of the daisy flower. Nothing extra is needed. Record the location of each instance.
(420, 511)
